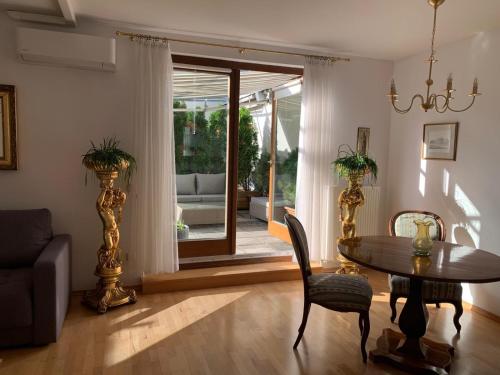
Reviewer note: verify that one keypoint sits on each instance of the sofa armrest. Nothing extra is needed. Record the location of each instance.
(51, 289)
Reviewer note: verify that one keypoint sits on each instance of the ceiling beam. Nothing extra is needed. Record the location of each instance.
(67, 11)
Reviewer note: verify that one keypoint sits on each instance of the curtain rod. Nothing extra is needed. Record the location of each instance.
(241, 49)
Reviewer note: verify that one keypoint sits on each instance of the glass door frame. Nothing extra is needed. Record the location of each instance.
(227, 246)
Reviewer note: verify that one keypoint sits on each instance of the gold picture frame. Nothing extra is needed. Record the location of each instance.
(440, 141)
(8, 128)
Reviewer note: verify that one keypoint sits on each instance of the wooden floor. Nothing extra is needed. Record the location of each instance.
(239, 330)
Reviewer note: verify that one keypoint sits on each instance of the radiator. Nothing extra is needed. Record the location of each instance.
(368, 219)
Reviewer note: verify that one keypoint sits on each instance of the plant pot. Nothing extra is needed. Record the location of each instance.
(183, 234)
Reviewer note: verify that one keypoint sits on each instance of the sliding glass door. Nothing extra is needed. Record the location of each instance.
(202, 129)
(223, 128)
(284, 156)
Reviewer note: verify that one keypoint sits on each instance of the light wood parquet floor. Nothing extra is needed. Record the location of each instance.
(239, 330)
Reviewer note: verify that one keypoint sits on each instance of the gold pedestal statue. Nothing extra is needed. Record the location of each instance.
(349, 200)
(109, 292)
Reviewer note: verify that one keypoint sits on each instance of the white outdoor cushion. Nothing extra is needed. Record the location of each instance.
(212, 197)
(188, 198)
(185, 184)
(211, 183)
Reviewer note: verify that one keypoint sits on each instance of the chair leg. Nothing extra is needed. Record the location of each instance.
(307, 308)
(360, 322)
(438, 306)
(392, 303)
(458, 313)
(365, 317)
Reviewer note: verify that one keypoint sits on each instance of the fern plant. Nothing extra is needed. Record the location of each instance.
(351, 162)
(108, 156)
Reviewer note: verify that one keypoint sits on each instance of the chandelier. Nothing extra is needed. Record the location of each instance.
(431, 100)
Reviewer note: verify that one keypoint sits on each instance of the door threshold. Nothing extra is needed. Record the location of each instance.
(217, 277)
(234, 259)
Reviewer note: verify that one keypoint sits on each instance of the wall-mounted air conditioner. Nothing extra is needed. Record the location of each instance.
(66, 49)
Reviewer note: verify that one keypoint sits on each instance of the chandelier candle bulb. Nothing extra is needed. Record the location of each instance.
(393, 93)
(449, 84)
(474, 88)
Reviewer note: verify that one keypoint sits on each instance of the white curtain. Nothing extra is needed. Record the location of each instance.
(314, 174)
(154, 235)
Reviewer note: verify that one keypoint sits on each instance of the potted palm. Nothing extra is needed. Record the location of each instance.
(109, 162)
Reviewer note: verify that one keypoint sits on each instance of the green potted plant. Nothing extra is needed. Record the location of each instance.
(182, 230)
(108, 157)
(351, 164)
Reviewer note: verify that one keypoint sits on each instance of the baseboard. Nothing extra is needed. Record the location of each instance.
(485, 313)
(216, 277)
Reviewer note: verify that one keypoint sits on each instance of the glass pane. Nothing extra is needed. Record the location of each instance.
(201, 102)
(254, 153)
(287, 151)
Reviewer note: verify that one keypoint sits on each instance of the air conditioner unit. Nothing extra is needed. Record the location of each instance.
(66, 49)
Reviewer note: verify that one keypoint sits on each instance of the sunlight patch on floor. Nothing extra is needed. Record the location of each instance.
(164, 323)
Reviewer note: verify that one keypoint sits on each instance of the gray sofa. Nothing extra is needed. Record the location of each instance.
(201, 198)
(35, 278)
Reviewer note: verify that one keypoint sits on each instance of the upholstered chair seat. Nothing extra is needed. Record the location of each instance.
(340, 292)
(431, 290)
(437, 292)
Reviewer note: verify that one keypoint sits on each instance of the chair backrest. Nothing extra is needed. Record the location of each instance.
(299, 241)
(402, 225)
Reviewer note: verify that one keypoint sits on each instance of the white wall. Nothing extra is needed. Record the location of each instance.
(470, 205)
(61, 109)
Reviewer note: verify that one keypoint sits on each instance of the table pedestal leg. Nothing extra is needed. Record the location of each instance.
(410, 351)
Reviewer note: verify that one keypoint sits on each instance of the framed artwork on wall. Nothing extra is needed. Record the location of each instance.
(8, 148)
(363, 141)
(440, 141)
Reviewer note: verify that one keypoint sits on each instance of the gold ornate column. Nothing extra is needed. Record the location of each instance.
(349, 200)
(109, 205)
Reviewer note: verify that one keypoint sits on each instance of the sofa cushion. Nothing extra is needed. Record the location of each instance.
(213, 197)
(23, 235)
(15, 298)
(185, 184)
(188, 198)
(210, 183)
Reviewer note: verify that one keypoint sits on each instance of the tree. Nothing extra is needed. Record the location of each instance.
(248, 149)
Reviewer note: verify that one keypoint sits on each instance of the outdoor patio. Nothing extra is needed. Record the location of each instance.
(252, 236)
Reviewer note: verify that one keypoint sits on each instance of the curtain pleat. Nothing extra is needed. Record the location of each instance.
(314, 175)
(154, 201)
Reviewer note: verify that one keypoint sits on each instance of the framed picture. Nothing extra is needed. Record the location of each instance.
(363, 141)
(8, 151)
(440, 141)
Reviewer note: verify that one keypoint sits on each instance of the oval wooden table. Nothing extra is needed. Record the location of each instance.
(448, 262)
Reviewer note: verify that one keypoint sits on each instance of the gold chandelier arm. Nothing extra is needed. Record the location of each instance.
(466, 108)
(444, 107)
(403, 111)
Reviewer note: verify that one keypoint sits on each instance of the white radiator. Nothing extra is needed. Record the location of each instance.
(368, 220)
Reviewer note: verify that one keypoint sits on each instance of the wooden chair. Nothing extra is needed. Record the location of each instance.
(343, 293)
(434, 292)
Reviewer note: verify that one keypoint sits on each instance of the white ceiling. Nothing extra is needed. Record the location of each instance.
(385, 29)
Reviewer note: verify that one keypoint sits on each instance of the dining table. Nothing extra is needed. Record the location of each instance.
(409, 349)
